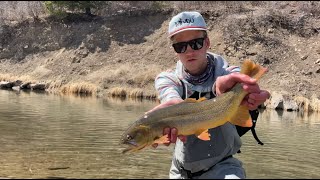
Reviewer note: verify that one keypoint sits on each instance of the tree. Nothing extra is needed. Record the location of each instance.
(61, 7)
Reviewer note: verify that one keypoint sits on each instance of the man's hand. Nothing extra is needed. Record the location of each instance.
(168, 103)
(172, 135)
(172, 132)
(255, 96)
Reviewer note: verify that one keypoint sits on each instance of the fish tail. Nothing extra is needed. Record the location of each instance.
(242, 117)
(253, 70)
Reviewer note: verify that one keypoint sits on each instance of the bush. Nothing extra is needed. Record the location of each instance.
(62, 7)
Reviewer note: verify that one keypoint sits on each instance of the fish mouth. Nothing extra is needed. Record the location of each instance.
(131, 143)
(129, 149)
(133, 147)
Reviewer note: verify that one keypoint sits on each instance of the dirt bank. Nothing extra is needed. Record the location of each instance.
(122, 54)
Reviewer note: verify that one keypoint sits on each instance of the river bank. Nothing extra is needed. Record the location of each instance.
(120, 55)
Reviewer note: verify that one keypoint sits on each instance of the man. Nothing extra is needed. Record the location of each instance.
(200, 73)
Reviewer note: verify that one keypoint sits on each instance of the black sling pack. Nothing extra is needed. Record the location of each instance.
(241, 130)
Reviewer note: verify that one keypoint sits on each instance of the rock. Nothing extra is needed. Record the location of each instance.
(270, 30)
(82, 46)
(281, 101)
(8, 85)
(290, 104)
(293, 11)
(39, 86)
(25, 85)
(16, 88)
(5, 85)
(275, 101)
(266, 61)
(98, 49)
(251, 53)
(17, 83)
(307, 73)
(83, 53)
(304, 57)
(76, 60)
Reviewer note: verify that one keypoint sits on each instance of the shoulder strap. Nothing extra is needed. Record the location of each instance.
(254, 115)
(184, 96)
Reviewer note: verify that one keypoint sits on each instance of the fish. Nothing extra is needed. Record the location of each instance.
(193, 117)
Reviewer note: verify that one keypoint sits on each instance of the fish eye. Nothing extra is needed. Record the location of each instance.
(129, 137)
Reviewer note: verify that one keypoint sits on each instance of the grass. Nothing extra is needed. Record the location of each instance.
(9, 77)
(80, 88)
(88, 88)
(131, 93)
(118, 92)
(74, 88)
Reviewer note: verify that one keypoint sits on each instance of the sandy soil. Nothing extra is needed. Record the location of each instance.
(127, 52)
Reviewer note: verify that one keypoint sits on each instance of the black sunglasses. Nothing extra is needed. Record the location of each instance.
(195, 44)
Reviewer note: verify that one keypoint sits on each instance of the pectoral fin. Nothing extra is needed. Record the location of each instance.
(242, 117)
(203, 135)
(162, 140)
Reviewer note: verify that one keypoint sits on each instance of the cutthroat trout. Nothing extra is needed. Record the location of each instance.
(193, 116)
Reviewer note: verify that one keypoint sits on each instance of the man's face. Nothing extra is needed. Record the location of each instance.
(193, 59)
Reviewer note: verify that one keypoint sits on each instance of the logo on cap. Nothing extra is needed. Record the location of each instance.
(187, 20)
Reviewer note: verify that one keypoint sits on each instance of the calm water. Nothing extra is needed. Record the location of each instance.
(53, 136)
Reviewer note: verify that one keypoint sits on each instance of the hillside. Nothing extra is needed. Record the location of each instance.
(120, 55)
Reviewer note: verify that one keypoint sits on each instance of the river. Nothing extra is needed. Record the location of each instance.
(54, 136)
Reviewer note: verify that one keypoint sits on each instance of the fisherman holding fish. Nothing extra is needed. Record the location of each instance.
(200, 73)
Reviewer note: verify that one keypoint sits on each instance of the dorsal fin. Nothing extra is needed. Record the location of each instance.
(193, 100)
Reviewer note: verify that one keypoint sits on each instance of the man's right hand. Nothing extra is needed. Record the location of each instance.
(172, 135)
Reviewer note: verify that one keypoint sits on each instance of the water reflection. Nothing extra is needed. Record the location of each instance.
(54, 136)
(291, 147)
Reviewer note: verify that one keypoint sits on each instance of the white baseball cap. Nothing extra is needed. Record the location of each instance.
(187, 20)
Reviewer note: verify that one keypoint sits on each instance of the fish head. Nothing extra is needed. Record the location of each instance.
(136, 137)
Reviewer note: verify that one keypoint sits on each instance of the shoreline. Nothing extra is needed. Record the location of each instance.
(277, 100)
